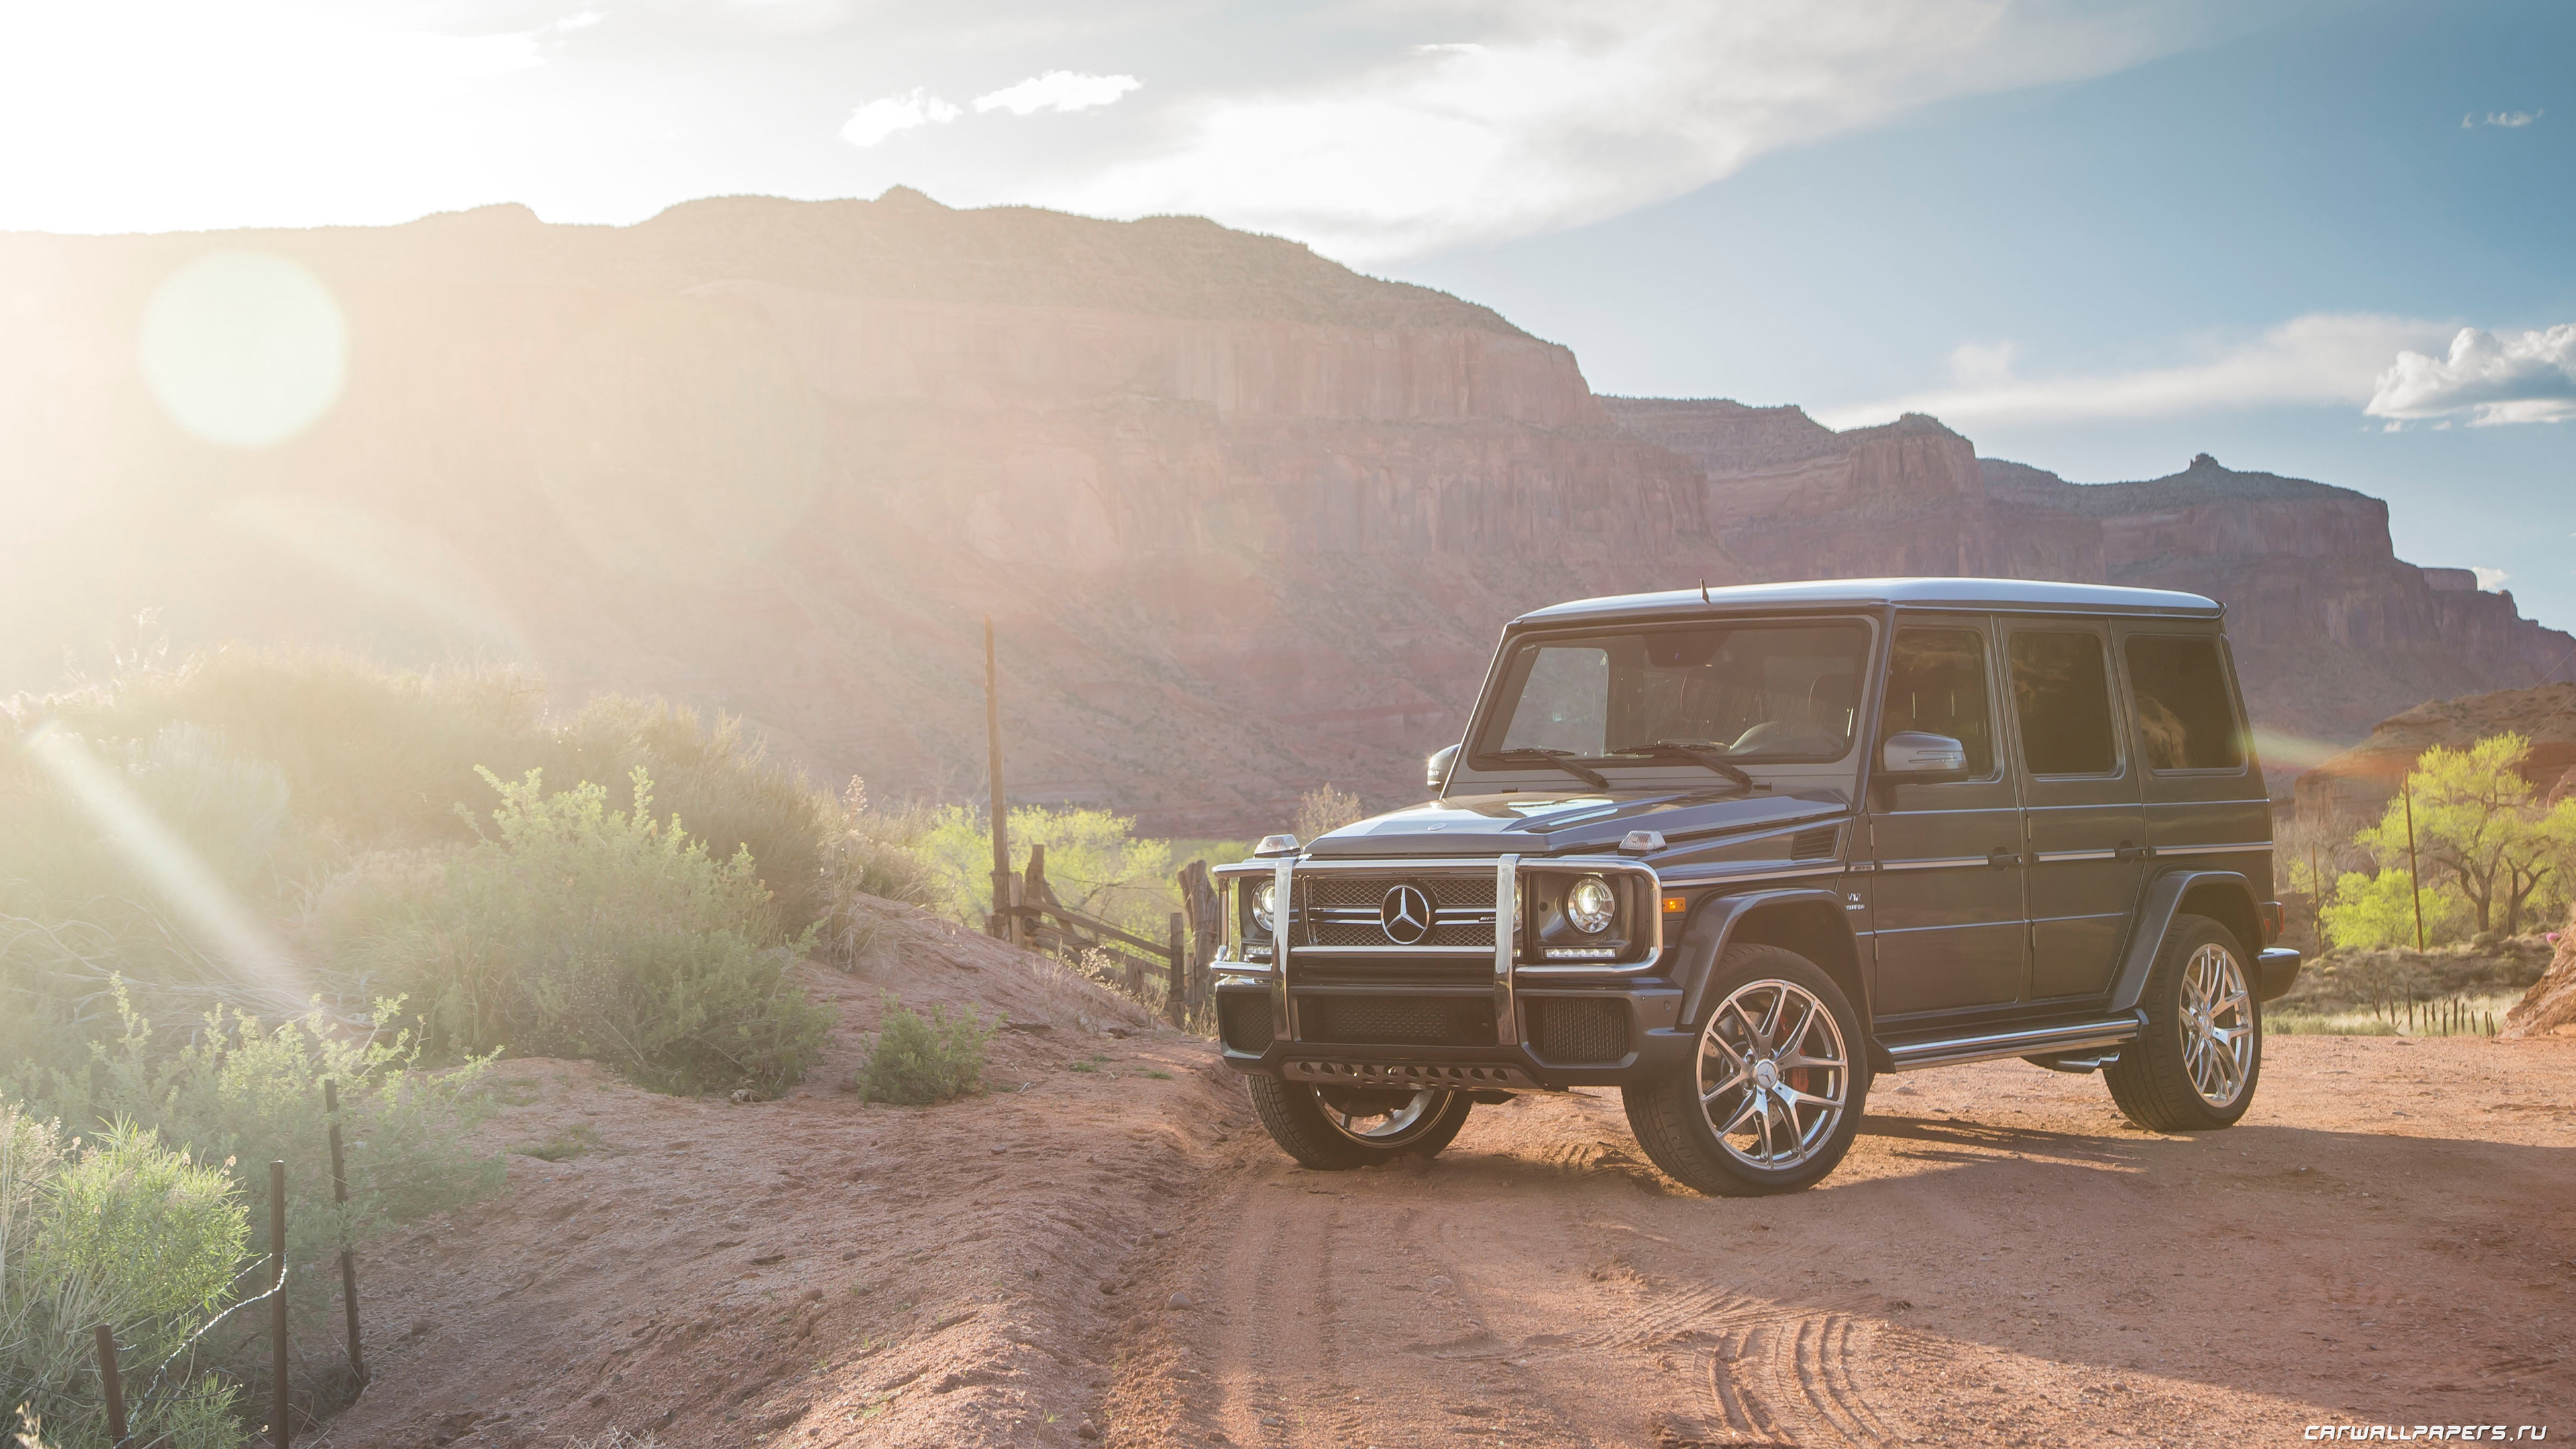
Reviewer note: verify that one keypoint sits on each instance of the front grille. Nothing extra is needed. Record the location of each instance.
(1342, 910)
(1394, 971)
(1396, 1020)
(1572, 1031)
(1243, 1019)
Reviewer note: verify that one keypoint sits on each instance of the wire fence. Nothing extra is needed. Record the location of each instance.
(208, 1374)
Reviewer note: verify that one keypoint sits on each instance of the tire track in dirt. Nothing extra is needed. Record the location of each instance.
(1987, 1268)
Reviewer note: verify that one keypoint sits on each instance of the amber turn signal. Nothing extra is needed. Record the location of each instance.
(1674, 905)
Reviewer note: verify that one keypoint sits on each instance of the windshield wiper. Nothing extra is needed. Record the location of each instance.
(1696, 754)
(1559, 759)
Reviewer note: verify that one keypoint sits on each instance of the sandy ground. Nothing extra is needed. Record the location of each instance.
(2389, 1237)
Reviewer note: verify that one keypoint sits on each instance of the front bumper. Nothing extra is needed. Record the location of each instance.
(1568, 1035)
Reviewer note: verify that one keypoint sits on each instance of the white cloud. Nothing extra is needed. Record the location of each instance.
(1057, 90)
(2489, 579)
(1562, 114)
(2510, 120)
(892, 115)
(2321, 358)
(2524, 377)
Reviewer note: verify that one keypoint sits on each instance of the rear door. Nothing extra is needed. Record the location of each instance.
(2205, 801)
(2083, 827)
(1946, 904)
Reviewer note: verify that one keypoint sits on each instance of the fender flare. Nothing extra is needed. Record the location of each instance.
(1712, 927)
(2156, 913)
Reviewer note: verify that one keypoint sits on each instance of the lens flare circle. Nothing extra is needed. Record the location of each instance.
(244, 348)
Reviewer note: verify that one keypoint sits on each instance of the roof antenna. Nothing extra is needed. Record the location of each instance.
(1703, 591)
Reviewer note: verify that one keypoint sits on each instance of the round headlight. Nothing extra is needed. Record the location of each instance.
(1263, 899)
(1591, 904)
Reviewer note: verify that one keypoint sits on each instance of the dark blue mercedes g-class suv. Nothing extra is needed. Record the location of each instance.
(1736, 851)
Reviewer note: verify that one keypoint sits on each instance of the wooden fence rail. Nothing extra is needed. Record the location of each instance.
(1182, 960)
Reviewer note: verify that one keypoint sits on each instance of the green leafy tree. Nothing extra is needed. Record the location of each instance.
(1094, 860)
(2477, 827)
(2373, 910)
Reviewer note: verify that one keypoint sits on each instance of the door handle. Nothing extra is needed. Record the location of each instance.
(2125, 851)
(1999, 857)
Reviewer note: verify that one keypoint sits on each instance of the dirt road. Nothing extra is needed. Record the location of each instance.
(2389, 1237)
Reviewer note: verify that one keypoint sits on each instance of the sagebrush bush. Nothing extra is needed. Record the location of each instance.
(111, 861)
(380, 756)
(112, 1228)
(245, 1094)
(914, 1062)
(576, 930)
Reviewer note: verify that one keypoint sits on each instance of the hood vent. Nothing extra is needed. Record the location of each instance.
(1816, 844)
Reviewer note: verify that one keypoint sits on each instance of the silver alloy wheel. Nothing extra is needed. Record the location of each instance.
(2217, 1024)
(1774, 1075)
(1382, 1127)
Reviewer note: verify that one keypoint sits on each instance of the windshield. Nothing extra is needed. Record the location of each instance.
(1750, 692)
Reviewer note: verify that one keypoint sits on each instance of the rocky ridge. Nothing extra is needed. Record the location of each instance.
(1246, 521)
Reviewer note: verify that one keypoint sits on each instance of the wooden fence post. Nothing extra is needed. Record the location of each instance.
(1177, 1005)
(1207, 927)
(348, 1254)
(1009, 927)
(110, 1388)
(279, 1399)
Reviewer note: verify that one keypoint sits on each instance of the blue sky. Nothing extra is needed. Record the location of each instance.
(2160, 219)
(2095, 235)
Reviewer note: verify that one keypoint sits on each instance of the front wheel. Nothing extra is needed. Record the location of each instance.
(1772, 1099)
(1331, 1128)
(2195, 1066)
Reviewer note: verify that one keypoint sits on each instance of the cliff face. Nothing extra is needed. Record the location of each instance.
(2351, 789)
(2332, 630)
(1246, 522)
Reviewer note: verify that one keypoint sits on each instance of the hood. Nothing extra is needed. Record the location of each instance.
(1533, 823)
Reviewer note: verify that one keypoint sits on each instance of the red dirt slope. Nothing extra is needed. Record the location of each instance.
(814, 1269)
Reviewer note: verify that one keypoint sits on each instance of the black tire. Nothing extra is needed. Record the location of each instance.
(1296, 1116)
(2154, 1081)
(1678, 1134)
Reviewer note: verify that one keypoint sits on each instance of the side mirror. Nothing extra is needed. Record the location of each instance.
(1438, 767)
(1918, 752)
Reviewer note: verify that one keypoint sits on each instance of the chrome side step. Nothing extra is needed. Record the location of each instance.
(2027, 1042)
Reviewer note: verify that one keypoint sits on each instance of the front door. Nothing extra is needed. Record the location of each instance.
(1947, 908)
(2083, 828)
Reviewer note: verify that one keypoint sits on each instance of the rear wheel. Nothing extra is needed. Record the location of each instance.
(1330, 1128)
(2196, 1065)
(1772, 1098)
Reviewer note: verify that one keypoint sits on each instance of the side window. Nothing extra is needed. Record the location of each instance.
(2062, 697)
(1565, 702)
(2184, 717)
(1936, 681)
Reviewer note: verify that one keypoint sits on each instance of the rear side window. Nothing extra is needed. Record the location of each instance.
(2062, 697)
(2185, 719)
(1936, 682)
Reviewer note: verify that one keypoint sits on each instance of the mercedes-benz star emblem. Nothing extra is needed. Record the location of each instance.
(1405, 915)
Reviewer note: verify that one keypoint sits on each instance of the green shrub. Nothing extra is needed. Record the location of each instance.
(247, 1095)
(381, 756)
(135, 861)
(120, 1230)
(576, 930)
(915, 1061)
